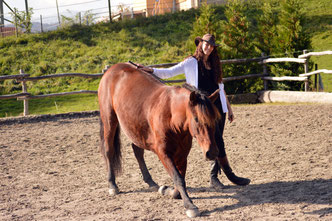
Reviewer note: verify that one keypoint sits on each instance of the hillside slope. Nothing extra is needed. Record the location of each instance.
(319, 15)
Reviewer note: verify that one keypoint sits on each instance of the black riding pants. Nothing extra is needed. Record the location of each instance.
(219, 134)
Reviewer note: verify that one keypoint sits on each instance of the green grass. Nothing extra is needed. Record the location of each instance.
(55, 105)
(319, 15)
(323, 42)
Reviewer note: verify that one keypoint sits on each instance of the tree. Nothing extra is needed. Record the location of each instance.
(292, 36)
(237, 39)
(88, 18)
(238, 42)
(207, 22)
(266, 37)
(68, 21)
(292, 39)
(22, 19)
(123, 9)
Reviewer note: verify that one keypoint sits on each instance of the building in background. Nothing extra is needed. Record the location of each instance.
(154, 7)
(158, 7)
(7, 31)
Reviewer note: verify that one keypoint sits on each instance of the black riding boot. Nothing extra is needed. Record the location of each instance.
(230, 175)
(214, 181)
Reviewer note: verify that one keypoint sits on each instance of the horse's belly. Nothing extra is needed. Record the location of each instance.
(137, 132)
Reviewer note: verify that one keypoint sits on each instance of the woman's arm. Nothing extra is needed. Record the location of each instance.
(230, 111)
(180, 68)
(189, 67)
(223, 98)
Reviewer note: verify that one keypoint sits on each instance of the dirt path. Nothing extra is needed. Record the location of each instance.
(52, 170)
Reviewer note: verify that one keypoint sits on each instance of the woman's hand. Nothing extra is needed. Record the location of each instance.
(144, 68)
(230, 116)
(230, 111)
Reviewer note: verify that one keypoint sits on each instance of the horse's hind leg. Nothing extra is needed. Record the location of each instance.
(110, 149)
(139, 154)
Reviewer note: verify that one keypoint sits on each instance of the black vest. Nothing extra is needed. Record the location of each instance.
(207, 82)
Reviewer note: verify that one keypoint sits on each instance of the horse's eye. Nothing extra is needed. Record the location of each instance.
(196, 119)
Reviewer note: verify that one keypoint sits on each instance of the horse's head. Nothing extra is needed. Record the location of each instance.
(202, 117)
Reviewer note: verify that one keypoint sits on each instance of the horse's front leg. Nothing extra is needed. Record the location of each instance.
(180, 185)
(181, 165)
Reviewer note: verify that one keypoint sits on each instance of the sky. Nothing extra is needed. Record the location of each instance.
(47, 8)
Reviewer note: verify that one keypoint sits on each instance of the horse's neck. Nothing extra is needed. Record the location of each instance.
(179, 118)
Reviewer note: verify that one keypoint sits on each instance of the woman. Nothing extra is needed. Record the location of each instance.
(203, 70)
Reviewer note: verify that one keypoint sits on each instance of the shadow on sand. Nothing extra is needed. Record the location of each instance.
(318, 191)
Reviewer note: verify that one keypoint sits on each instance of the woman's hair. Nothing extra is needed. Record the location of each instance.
(213, 61)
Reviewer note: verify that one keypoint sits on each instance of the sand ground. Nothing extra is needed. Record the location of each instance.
(52, 169)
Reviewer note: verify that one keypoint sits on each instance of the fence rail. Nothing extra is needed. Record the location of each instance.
(17, 76)
(285, 78)
(58, 75)
(264, 61)
(23, 96)
(308, 55)
(276, 60)
(325, 71)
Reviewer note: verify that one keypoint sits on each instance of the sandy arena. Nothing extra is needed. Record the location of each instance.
(53, 170)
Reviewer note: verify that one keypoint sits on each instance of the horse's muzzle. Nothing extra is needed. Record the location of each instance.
(212, 154)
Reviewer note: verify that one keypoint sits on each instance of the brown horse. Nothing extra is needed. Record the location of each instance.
(155, 117)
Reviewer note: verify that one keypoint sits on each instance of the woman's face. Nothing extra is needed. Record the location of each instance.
(207, 48)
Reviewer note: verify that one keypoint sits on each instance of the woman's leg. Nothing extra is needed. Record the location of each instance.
(241, 181)
(215, 167)
(222, 161)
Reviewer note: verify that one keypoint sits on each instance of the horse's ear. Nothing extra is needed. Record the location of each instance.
(213, 97)
(193, 98)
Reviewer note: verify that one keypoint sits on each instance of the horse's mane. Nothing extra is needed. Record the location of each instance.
(207, 113)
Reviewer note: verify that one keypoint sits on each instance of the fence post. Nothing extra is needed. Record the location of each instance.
(25, 101)
(265, 72)
(16, 28)
(306, 70)
(41, 24)
(321, 86)
(316, 83)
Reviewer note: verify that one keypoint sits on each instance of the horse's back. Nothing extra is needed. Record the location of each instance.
(124, 78)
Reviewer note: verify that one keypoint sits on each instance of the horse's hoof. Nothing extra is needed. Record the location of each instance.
(113, 192)
(191, 213)
(162, 190)
(175, 194)
(154, 188)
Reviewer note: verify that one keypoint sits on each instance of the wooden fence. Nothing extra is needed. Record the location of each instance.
(264, 61)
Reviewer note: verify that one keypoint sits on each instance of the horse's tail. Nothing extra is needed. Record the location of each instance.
(101, 135)
(115, 158)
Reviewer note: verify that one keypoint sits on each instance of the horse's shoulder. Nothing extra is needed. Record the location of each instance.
(180, 89)
(174, 93)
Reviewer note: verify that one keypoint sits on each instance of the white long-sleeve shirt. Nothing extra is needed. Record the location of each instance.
(190, 68)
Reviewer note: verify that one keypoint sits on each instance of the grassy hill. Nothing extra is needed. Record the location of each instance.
(87, 49)
(319, 16)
